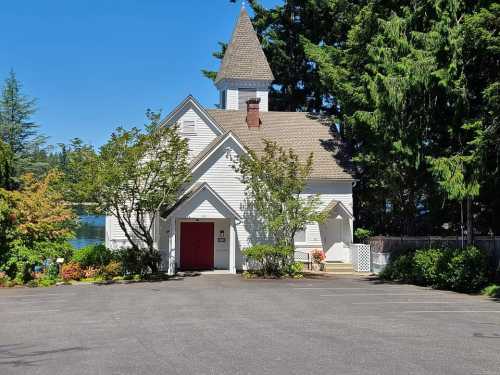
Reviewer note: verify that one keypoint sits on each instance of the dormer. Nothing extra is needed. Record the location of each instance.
(245, 72)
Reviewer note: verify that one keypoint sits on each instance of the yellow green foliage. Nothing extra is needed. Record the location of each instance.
(40, 212)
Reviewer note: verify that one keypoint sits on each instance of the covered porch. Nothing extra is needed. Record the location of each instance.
(199, 233)
(337, 233)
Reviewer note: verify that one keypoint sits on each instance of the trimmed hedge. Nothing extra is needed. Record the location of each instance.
(270, 260)
(463, 270)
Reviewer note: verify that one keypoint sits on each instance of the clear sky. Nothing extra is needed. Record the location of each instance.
(94, 65)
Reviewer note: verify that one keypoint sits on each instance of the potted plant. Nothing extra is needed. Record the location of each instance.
(318, 257)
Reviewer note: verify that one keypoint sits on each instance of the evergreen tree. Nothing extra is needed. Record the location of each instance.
(17, 129)
(413, 88)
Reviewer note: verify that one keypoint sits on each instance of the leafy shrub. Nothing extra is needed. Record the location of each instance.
(362, 234)
(270, 260)
(295, 269)
(431, 266)
(91, 272)
(492, 291)
(468, 269)
(112, 269)
(137, 261)
(4, 279)
(400, 268)
(72, 271)
(318, 256)
(52, 270)
(46, 281)
(462, 270)
(93, 255)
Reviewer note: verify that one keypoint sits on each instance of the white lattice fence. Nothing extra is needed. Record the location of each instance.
(361, 257)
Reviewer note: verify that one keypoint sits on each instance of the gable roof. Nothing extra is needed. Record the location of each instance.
(191, 102)
(302, 132)
(194, 191)
(211, 147)
(335, 204)
(244, 58)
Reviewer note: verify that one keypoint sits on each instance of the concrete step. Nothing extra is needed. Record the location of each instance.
(338, 267)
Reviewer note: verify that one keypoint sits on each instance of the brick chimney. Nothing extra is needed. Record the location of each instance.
(253, 115)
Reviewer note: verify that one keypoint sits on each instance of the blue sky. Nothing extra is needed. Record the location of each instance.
(94, 65)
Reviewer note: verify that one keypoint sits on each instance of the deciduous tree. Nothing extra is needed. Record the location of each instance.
(134, 176)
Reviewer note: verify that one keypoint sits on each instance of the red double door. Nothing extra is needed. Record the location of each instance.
(197, 246)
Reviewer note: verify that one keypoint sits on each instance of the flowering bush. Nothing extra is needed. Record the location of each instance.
(72, 271)
(112, 269)
(91, 272)
(318, 255)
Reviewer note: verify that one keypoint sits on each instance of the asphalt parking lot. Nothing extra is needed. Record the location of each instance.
(221, 324)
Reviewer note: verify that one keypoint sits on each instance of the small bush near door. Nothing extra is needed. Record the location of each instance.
(464, 270)
(269, 260)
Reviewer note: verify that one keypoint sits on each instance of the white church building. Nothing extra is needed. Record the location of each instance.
(211, 224)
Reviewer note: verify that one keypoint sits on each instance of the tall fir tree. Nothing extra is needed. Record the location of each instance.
(17, 129)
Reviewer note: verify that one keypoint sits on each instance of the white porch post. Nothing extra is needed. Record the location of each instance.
(171, 256)
(232, 246)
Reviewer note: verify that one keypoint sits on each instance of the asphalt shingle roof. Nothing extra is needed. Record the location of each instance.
(244, 58)
(302, 132)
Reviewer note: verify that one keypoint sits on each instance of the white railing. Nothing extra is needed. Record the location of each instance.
(361, 257)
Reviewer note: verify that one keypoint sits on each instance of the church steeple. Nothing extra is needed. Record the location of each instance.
(244, 71)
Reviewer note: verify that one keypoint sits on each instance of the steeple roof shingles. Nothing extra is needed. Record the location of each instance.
(244, 58)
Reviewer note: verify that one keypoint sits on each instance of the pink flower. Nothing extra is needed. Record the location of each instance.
(318, 255)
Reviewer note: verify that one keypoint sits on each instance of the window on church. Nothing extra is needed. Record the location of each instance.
(223, 95)
(243, 96)
(188, 127)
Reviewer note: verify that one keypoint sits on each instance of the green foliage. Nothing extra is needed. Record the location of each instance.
(93, 255)
(52, 271)
(40, 211)
(295, 270)
(134, 176)
(47, 280)
(492, 291)
(400, 268)
(138, 261)
(270, 260)
(362, 234)
(274, 182)
(468, 269)
(463, 270)
(112, 269)
(413, 88)
(6, 166)
(17, 129)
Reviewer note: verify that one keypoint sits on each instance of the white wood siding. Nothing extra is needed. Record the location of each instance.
(232, 99)
(115, 237)
(232, 86)
(220, 175)
(264, 100)
(328, 191)
(202, 136)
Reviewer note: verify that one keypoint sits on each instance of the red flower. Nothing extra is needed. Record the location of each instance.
(318, 255)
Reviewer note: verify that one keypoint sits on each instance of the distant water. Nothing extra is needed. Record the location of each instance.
(90, 231)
